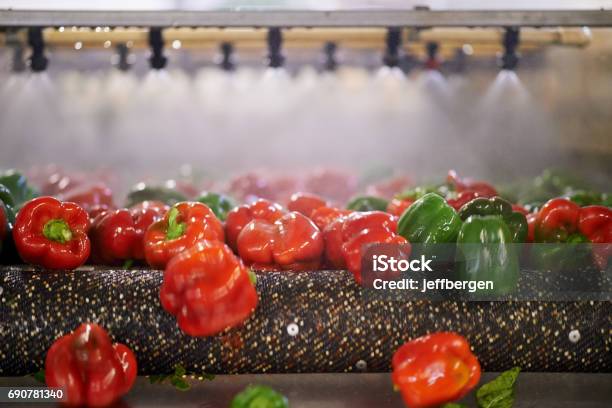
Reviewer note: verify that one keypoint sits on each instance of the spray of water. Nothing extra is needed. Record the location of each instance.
(217, 124)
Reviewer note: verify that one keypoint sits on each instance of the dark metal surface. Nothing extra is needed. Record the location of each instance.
(534, 390)
(307, 18)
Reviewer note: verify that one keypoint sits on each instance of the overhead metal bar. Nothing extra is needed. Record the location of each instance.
(308, 18)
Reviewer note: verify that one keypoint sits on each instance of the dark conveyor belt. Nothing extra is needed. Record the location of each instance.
(305, 322)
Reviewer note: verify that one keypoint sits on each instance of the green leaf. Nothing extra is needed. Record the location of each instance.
(179, 383)
(453, 405)
(158, 379)
(498, 393)
(252, 277)
(40, 376)
(179, 370)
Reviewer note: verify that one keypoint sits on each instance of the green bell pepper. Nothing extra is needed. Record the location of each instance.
(584, 198)
(485, 252)
(571, 255)
(420, 191)
(142, 192)
(259, 396)
(18, 187)
(497, 206)
(220, 204)
(6, 198)
(367, 203)
(429, 220)
(5, 226)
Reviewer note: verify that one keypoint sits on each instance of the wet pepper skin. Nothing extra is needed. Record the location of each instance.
(298, 243)
(557, 223)
(208, 289)
(305, 203)
(240, 216)
(346, 237)
(293, 242)
(52, 234)
(323, 216)
(183, 226)
(118, 235)
(485, 251)
(595, 223)
(91, 370)
(430, 220)
(434, 369)
(515, 220)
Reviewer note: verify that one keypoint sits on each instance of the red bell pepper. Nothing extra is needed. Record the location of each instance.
(242, 215)
(482, 188)
(359, 221)
(89, 368)
(305, 203)
(293, 242)
(557, 220)
(183, 225)
(434, 369)
(52, 234)
(208, 289)
(345, 227)
(531, 225)
(463, 198)
(323, 216)
(117, 236)
(298, 243)
(520, 209)
(332, 235)
(595, 223)
(397, 206)
(255, 244)
(91, 197)
(352, 249)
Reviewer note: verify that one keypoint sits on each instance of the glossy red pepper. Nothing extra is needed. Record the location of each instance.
(305, 203)
(343, 228)
(482, 188)
(323, 216)
(557, 220)
(520, 209)
(118, 235)
(397, 206)
(52, 234)
(463, 198)
(434, 369)
(242, 215)
(255, 244)
(89, 368)
(352, 249)
(595, 223)
(183, 226)
(208, 289)
(359, 221)
(332, 235)
(298, 243)
(91, 197)
(531, 223)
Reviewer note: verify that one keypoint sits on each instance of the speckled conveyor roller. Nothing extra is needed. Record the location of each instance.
(307, 322)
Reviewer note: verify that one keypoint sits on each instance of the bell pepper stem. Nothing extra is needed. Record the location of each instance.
(175, 229)
(58, 231)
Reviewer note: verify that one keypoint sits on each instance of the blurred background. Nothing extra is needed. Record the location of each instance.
(368, 111)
